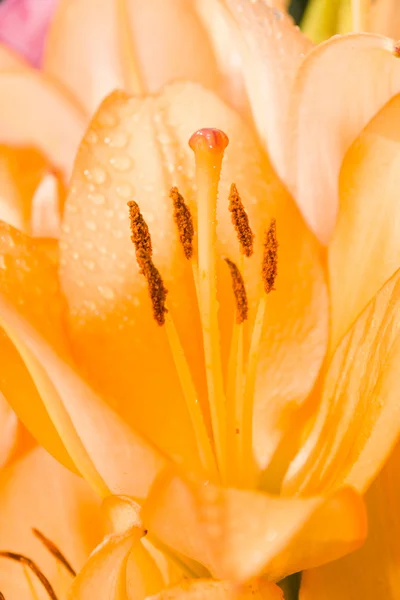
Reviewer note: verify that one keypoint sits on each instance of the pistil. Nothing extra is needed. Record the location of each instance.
(208, 146)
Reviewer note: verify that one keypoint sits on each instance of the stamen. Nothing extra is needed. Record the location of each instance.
(157, 290)
(140, 231)
(184, 222)
(239, 291)
(23, 560)
(270, 258)
(158, 293)
(208, 146)
(249, 468)
(52, 548)
(240, 221)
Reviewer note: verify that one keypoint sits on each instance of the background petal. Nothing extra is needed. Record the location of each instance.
(239, 534)
(365, 249)
(38, 492)
(358, 420)
(371, 572)
(340, 85)
(95, 47)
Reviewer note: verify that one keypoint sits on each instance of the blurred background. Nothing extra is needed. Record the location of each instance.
(297, 9)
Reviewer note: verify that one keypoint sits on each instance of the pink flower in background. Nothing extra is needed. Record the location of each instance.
(24, 24)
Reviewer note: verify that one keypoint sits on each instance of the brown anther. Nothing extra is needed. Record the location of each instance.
(23, 560)
(157, 291)
(184, 221)
(239, 291)
(240, 222)
(140, 231)
(270, 258)
(52, 548)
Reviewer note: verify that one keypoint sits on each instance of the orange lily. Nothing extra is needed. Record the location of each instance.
(105, 334)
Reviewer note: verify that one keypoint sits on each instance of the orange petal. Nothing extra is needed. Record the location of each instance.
(29, 274)
(54, 123)
(264, 41)
(67, 412)
(239, 534)
(371, 572)
(321, 127)
(21, 170)
(38, 492)
(365, 249)
(220, 590)
(95, 48)
(120, 568)
(8, 431)
(358, 420)
(138, 149)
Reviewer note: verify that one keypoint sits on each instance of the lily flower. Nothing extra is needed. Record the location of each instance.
(167, 407)
(134, 404)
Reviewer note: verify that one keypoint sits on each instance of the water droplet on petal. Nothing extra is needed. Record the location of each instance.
(97, 199)
(91, 225)
(121, 163)
(91, 137)
(124, 190)
(106, 292)
(107, 119)
(118, 140)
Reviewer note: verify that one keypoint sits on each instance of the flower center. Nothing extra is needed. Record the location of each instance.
(228, 457)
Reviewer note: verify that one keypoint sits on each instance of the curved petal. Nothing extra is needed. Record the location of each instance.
(54, 123)
(358, 420)
(21, 170)
(239, 534)
(364, 251)
(8, 431)
(371, 572)
(138, 149)
(259, 42)
(24, 24)
(219, 590)
(120, 569)
(67, 413)
(96, 47)
(38, 492)
(329, 106)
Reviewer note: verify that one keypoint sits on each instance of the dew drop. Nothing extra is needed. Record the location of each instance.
(107, 119)
(91, 225)
(65, 228)
(121, 163)
(97, 199)
(89, 264)
(124, 190)
(91, 137)
(109, 213)
(118, 140)
(106, 292)
(97, 174)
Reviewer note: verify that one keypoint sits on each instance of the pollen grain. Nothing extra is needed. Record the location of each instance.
(240, 221)
(139, 229)
(184, 221)
(157, 291)
(239, 291)
(270, 258)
